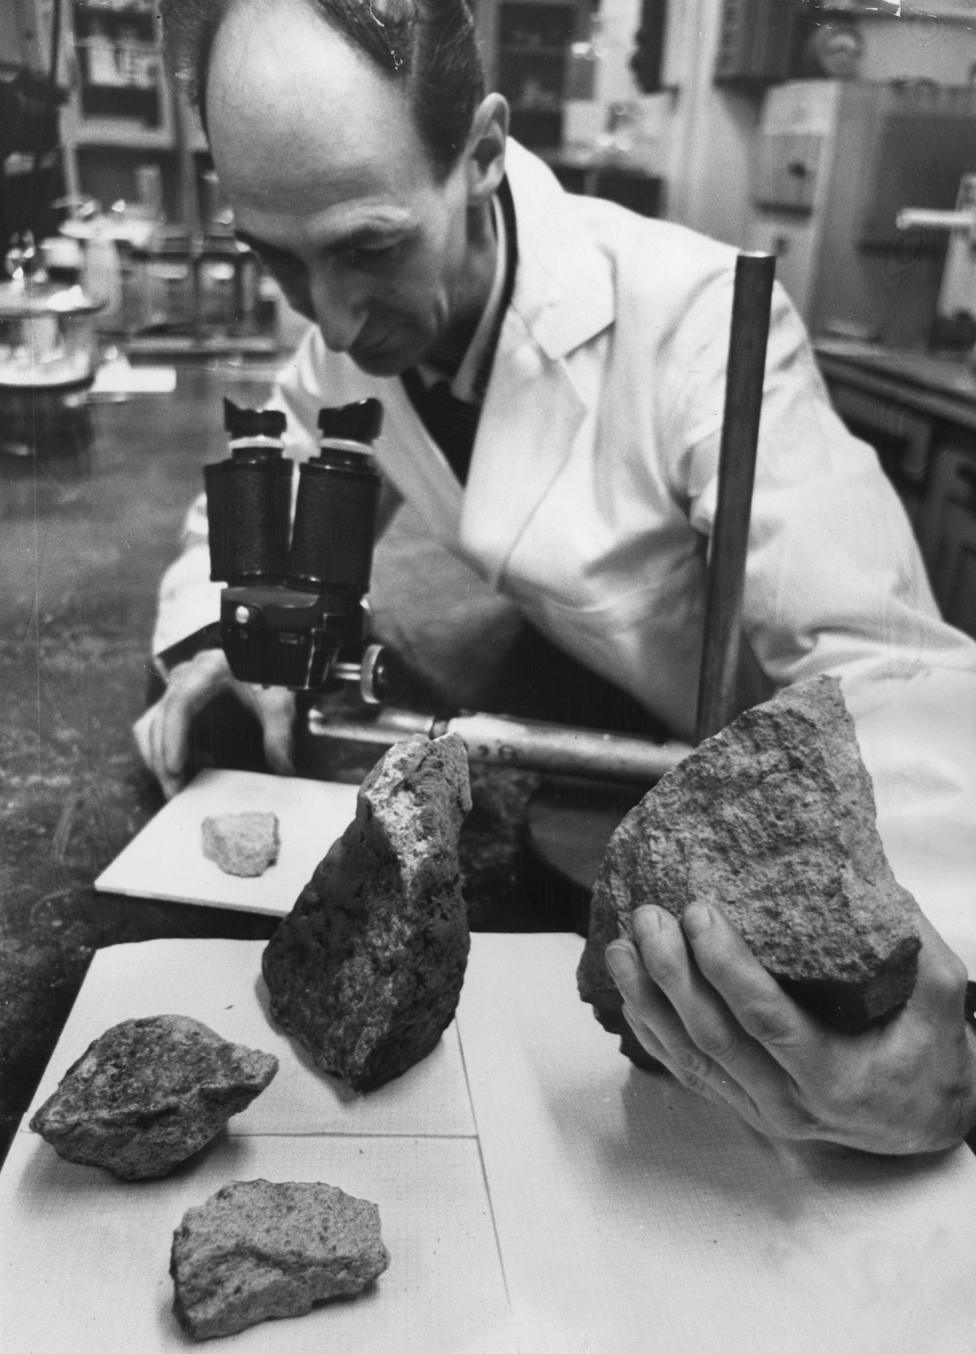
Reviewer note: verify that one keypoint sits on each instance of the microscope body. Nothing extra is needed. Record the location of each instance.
(293, 612)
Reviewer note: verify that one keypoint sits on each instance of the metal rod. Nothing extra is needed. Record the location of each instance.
(527, 744)
(751, 299)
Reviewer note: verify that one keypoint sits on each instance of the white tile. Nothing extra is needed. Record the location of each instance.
(633, 1216)
(166, 860)
(219, 982)
(84, 1259)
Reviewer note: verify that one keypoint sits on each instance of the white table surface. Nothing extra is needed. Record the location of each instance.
(537, 1194)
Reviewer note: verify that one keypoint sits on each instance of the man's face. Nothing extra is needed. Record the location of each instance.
(330, 184)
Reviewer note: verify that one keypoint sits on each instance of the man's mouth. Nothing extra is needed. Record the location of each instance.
(382, 357)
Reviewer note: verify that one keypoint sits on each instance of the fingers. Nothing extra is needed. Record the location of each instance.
(150, 739)
(191, 687)
(276, 710)
(728, 1030)
(680, 1021)
(144, 732)
(756, 1001)
(162, 733)
(700, 1003)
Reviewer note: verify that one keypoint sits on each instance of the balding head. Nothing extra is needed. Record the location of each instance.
(333, 186)
(427, 47)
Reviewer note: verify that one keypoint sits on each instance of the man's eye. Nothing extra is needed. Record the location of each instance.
(292, 278)
(370, 256)
(284, 265)
(284, 268)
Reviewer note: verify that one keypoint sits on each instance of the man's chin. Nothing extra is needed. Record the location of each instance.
(392, 361)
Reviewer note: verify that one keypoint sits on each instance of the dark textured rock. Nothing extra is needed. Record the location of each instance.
(773, 820)
(148, 1094)
(255, 1251)
(367, 968)
(243, 844)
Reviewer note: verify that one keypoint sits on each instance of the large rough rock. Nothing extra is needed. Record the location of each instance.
(367, 968)
(255, 1251)
(773, 820)
(148, 1094)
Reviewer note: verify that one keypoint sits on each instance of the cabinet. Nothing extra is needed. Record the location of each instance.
(129, 142)
(949, 543)
(920, 415)
(119, 115)
(756, 40)
(120, 93)
(835, 161)
(531, 53)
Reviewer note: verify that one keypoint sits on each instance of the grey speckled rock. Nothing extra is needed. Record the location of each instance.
(773, 820)
(256, 1251)
(367, 968)
(148, 1094)
(244, 844)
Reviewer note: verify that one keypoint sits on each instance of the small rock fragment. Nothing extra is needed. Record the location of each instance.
(255, 1251)
(367, 968)
(148, 1094)
(243, 844)
(773, 820)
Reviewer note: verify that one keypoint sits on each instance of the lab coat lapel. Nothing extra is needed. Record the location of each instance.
(529, 420)
(535, 405)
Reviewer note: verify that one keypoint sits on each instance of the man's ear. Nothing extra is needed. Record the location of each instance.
(485, 154)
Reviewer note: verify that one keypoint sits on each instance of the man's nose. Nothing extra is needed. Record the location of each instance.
(339, 304)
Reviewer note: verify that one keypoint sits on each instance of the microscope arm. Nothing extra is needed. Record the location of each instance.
(524, 744)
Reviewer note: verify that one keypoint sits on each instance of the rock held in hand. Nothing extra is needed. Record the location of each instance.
(772, 820)
(256, 1250)
(367, 968)
(148, 1094)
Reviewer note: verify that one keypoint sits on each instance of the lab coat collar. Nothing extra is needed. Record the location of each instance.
(536, 402)
(564, 284)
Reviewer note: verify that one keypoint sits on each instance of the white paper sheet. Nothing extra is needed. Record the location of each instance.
(219, 982)
(84, 1259)
(628, 1215)
(632, 1216)
(166, 860)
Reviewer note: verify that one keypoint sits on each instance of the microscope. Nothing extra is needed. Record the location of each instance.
(294, 612)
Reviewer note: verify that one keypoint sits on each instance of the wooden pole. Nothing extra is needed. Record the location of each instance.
(751, 299)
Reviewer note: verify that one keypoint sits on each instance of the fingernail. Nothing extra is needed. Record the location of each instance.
(697, 919)
(620, 960)
(647, 923)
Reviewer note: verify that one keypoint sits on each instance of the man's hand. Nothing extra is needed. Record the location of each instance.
(699, 1001)
(162, 733)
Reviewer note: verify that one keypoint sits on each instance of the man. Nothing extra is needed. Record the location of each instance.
(368, 170)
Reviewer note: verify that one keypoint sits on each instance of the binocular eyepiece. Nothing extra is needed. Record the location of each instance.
(293, 613)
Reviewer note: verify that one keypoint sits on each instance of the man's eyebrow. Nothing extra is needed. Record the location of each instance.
(357, 237)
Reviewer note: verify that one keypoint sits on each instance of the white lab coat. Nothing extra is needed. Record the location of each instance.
(592, 489)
